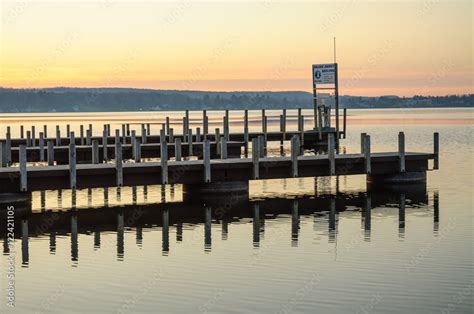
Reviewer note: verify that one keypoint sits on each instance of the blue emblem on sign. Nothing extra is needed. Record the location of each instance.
(317, 74)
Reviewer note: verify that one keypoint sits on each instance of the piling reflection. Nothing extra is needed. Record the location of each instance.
(256, 225)
(166, 232)
(367, 217)
(74, 239)
(25, 256)
(324, 210)
(401, 216)
(295, 223)
(436, 212)
(120, 236)
(207, 230)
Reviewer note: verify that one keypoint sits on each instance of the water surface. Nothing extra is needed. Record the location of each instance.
(297, 245)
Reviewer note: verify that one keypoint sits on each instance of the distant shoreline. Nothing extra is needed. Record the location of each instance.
(61, 99)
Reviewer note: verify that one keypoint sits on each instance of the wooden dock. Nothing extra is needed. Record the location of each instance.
(222, 157)
(197, 172)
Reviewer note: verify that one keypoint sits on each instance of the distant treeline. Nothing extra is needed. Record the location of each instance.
(126, 99)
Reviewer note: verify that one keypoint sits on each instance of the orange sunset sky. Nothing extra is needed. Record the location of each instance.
(383, 47)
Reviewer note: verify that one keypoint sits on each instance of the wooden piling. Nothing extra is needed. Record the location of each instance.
(171, 135)
(138, 150)
(162, 136)
(362, 142)
(144, 133)
(263, 120)
(104, 145)
(185, 130)
(345, 122)
(8, 146)
(118, 163)
(45, 131)
(205, 124)
(331, 155)
(198, 134)
(282, 128)
(95, 151)
(117, 136)
(255, 158)
(190, 142)
(320, 123)
(295, 151)
(164, 162)
(81, 134)
(127, 126)
(186, 114)
(261, 144)
(226, 125)
(207, 160)
(223, 148)
(367, 154)
(33, 136)
(72, 162)
(124, 134)
(246, 132)
(436, 150)
(302, 134)
(88, 137)
(218, 145)
(133, 137)
(28, 138)
(22, 131)
(177, 149)
(41, 146)
(68, 130)
(50, 153)
(299, 119)
(265, 134)
(23, 170)
(168, 126)
(3, 154)
(401, 152)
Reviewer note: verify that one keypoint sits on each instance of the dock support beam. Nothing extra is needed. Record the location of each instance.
(295, 150)
(164, 162)
(118, 163)
(50, 153)
(436, 150)
(3, 154)
(41, 146)
(255, 157)
(177, 149)
(401, 151)
(95, 151)
(331, 155)
(23, 174)
(206, 151)
(368, 168)
(72, 163)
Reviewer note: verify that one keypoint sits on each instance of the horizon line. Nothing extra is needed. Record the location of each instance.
(227, 91)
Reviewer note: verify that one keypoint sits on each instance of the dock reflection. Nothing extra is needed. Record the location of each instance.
(325, 210)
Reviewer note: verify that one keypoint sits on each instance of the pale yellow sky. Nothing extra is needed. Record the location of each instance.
(383, 47)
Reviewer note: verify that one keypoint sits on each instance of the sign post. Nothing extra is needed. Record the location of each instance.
(326, 75)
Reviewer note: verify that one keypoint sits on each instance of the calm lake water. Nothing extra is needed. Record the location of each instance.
(296, 246)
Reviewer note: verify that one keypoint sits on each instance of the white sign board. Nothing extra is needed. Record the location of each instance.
(324, 73)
